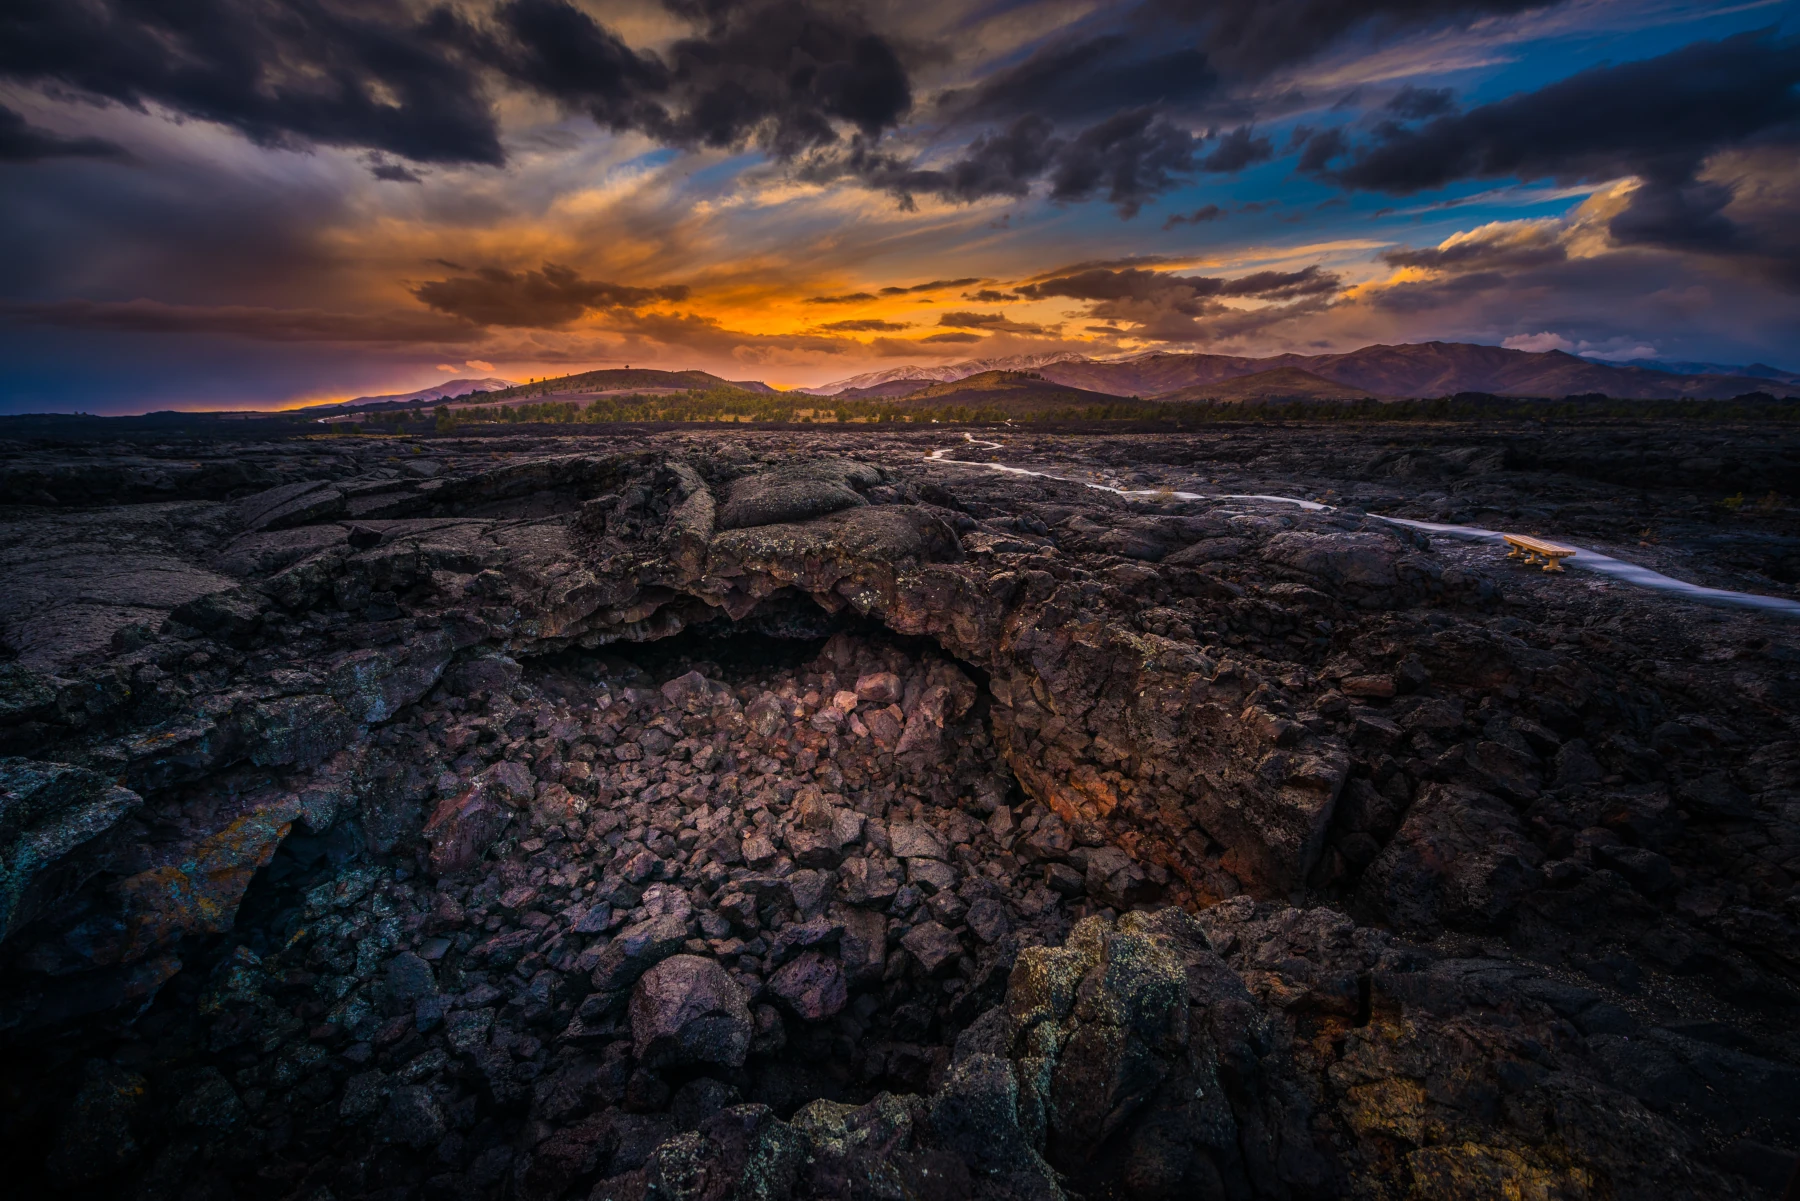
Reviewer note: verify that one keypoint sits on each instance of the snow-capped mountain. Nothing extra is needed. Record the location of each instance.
(944, 374)
(453, 387)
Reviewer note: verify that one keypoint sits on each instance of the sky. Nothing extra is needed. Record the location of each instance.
(219, 204)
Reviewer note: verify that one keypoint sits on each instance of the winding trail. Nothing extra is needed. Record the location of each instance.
(1586, 560)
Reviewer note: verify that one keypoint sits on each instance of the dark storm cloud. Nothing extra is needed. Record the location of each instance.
(866, 326)
(1100, 284)
(1129, 159)
(1415, 104)
(991, 322)
(1534, 249)
(550, 297)
(1077, 77)
(244, 321)
(775, 73)
(1101, 110)
(557, 50)
(283, 72)
(1176, 54)
(1319, 147)
(1237, 150)
(379, 75)
(846, 298)
(1190, 308)
(784, 69)
(990, 296)
(1659, 119)
(1255, 37)
(936, 285)
(951, 338)
(1199, 216)
(998, 163)
(22, 142)
(395, 173)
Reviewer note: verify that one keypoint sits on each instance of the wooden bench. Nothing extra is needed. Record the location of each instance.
(1536, 550)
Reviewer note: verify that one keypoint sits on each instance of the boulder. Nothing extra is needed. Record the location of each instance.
(796, 492)
(634, 951)
(463, 827)
(935, 947)
(811, 987)
(688, 1010)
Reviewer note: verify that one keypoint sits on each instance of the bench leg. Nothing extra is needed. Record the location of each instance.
(1553, 564)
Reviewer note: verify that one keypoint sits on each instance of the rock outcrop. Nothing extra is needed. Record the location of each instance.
(697, 819)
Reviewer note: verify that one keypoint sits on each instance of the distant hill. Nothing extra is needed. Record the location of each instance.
(1153, 374)
(1281, 384)
(1425, 369)
(942, 374)
(627, 379)
(888, 391)
(1750, 370)
(1016, 391)
(453, 387)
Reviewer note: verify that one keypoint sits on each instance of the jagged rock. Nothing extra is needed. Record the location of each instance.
(933, 946)
(1459, 858)
(687, 1010)
(635, 949)
(463, 827)
(812, 987)
(48, 811)
(1300, 711)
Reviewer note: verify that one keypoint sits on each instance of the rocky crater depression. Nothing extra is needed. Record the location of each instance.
(787, 816)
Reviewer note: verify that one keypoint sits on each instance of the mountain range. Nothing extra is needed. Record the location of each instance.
(1754, 370)
(1414, 370)
(443, 391)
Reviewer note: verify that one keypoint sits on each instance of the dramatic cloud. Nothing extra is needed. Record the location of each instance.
(866, 326)
(991, 322)
(1176, 54)
(21, 142)
(388, 75)
(243, 321)
(1158, 306)
(559, 51)
(551, 297)
(282, 72)
(1199, 216)
(1075, 77)
(1129, 159)
(1658, 119)
(1495, 246)
(827, 176)
(1415, 104)
(1134, 284)
(1237, 150)
(936, 285)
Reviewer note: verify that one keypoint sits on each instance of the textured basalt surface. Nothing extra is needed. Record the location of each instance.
(786, 815)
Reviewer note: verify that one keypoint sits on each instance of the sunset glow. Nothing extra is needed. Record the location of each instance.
(552, 186)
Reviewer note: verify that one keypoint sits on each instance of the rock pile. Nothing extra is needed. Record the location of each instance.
(468, 833)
